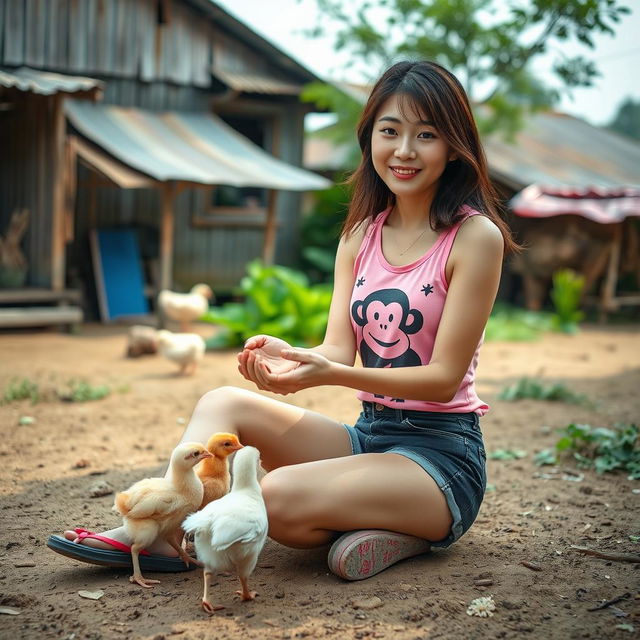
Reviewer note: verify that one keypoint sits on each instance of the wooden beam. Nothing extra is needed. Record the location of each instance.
(166, 235)
(58, 169)
(269, 244)
(608, 293)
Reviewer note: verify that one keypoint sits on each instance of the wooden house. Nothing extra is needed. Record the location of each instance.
(168, 117)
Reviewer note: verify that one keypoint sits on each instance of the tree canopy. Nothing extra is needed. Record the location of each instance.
(489, 44)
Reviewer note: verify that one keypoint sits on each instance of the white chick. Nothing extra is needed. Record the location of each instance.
(185, 307)
(230, 532)
(185, 349)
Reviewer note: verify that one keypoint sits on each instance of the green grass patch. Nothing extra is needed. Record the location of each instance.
(21, 389)
(512, 324)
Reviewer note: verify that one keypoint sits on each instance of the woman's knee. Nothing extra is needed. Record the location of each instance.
(285, 502)
(228, 402)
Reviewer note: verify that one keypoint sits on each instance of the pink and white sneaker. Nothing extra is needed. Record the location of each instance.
(357, 555)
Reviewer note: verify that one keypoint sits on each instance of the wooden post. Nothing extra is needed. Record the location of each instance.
(608, 296)
(71, 186)
(166, 236)
(269, 244)
(58, 235)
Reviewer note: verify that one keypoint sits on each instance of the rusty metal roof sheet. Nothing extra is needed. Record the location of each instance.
(185, 146)
(256, 82)
(46, 83)
(555, 150)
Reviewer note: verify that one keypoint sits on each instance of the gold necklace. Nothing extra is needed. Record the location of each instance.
(401, 253)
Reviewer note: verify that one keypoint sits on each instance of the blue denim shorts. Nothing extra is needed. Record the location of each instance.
(448, 446)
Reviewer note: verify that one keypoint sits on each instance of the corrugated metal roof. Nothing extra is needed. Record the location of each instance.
(186, 146)
(555, 149)
(46, 83)
(256, 83)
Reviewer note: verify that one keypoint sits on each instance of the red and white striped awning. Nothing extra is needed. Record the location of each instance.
(604, 205)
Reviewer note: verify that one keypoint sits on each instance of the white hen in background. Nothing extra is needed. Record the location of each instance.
(185, 308)
(185, 349)
(230, 532)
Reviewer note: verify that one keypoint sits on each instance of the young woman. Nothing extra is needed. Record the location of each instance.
(416, 275)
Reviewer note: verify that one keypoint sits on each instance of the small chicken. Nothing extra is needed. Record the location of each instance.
(214, 472)
(141, 340)
(185, 349)
(153, 508)
(185, 307)
(230, 532)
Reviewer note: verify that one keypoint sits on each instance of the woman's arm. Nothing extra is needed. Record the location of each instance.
(264, 352)
(474, 273)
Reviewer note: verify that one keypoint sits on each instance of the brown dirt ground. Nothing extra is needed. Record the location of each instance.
(534, 514)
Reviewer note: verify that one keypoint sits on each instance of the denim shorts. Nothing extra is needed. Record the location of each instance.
(448, 446)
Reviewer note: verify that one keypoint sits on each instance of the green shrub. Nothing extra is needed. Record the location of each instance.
(598, 448)
(320, 232)
(277, 301)
(566, 294)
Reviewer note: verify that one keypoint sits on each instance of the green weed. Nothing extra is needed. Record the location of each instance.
(507, 454)
(21, 390)
(536, 390)
(82, 391)
(598, 448)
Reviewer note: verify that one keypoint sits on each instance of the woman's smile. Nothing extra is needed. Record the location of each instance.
(404, 173)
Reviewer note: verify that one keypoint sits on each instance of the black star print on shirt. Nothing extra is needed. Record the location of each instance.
(360, 282)
(427, 289)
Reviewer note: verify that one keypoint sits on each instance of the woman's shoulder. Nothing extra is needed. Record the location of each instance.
(352, 241)
(477, 236)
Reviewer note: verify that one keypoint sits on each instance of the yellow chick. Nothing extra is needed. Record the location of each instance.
(214, 472)
(185, 349)
(185, 308)
(153, 509)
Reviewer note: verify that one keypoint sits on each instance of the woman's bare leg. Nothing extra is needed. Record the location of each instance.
(283, 433)
(308, 503)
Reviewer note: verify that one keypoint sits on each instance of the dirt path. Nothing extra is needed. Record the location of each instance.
(532, 515)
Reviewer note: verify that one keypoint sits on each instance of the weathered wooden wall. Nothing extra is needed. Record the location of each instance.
(152, 54)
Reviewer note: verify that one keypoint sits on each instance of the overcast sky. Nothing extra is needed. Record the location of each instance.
(617, 58)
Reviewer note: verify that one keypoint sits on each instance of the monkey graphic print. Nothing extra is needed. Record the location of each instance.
(396, 311)
(387, 322)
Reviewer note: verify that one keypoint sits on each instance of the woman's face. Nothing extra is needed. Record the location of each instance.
(407, 151)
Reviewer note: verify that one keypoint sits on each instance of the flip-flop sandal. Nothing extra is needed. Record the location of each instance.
(113, 558)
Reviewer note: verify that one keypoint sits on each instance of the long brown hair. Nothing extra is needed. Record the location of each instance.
(429, 90)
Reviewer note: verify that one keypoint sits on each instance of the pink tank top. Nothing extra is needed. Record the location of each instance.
(395, 314)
